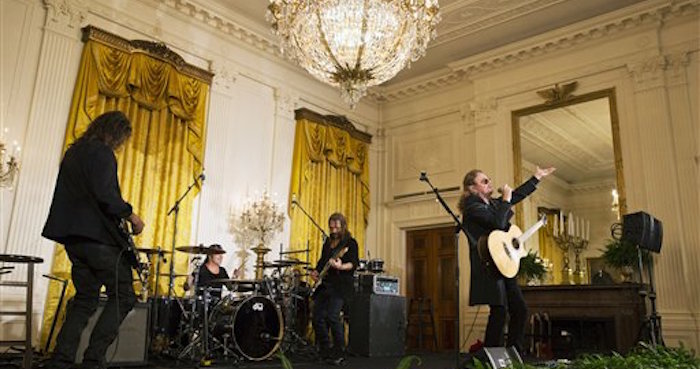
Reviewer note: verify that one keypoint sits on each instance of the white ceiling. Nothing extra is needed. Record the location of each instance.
(576, 139)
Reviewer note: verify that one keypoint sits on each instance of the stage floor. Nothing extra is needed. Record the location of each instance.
(429, 361)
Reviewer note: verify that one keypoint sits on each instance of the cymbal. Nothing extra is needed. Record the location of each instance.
(201, 249)
(152, 251)
(174, 275)
(284, 263)
(238, 285)
(294, 252)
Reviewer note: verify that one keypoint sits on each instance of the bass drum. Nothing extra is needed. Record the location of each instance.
(257, 328)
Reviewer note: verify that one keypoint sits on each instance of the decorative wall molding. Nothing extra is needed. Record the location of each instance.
(648, 73)
(677, 66)
(483, 112)
(528, 49)
(285, 103)
(65, 16)
(225, 75)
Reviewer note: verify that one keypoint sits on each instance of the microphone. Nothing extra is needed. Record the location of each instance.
(423, 176)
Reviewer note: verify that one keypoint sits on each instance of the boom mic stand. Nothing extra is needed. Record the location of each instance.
(297, 204)
(176, 209)
(458, 227)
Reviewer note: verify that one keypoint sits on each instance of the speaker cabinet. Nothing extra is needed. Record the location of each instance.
(644, 230)
(496, 357)
(378, 325)
(131, 345)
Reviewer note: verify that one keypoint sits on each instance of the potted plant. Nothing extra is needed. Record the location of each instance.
(623, 256)
(532, 268)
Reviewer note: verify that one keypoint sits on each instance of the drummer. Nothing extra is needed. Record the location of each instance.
(210, 270)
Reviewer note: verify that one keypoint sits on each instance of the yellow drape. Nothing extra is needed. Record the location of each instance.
(330, 173)
(167, 110)
(550, 250)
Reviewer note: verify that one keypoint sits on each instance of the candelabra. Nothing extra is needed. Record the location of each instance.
(9, 167)
(572, 237)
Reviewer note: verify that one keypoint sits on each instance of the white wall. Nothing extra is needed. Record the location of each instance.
(250, 129)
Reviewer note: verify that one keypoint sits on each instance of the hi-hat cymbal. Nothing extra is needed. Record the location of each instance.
(152, 251)
(284, 263)
(201, 249)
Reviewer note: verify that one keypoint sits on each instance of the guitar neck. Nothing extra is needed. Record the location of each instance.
(535, 227)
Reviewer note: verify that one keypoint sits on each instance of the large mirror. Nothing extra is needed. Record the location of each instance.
(579, 136)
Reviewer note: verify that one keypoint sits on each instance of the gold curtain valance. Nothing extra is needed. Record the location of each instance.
(330, 173)
(149, 73)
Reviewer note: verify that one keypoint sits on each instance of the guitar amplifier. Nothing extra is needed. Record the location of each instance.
(370, 283)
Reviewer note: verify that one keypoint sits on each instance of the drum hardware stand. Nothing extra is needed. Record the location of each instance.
(202, 339)
(64, 283)
(156, 340)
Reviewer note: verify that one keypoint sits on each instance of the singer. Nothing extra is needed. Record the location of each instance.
(483, 214)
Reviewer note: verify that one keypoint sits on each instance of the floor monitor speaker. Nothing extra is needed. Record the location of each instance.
(131, 345)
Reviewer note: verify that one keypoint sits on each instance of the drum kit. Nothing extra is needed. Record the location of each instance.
(250, 321)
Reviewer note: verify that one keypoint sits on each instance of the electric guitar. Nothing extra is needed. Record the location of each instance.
(501, 251)
(338, 254)
(131, 253)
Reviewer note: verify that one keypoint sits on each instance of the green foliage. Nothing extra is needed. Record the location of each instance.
(286, 364)
(531, 266)
(644, 356)
(407, 362)
(619, 254)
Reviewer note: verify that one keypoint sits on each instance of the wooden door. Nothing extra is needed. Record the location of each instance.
(431, 275)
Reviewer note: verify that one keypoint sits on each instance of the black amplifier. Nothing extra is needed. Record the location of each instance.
(371, 283)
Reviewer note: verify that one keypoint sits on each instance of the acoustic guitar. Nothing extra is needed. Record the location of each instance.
(501, 251)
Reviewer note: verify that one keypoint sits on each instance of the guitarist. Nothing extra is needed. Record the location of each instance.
(336, 288)
(86, 201)
(483, 214)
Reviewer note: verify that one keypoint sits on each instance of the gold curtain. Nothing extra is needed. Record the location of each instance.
(330, 173)
(549, 249)
(167, 109)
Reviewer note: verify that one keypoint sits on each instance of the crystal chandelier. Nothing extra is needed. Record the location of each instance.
(354, 44)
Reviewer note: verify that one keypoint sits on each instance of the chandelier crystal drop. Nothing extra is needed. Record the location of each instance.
(354, 44)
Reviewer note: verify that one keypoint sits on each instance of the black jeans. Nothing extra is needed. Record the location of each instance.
(517, 312)
(94, 265)
(327, 306)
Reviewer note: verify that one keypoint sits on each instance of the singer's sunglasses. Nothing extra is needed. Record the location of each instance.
(485, 181)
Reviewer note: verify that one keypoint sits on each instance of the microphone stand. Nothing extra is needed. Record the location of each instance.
(458, 227)
(176, 209)
(325, 236)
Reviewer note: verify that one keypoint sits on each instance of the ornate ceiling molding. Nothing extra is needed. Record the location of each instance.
(474, 16)
(203, 15)
(509, 55)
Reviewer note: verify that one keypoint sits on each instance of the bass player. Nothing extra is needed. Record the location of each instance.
(87, 204)
(334, 286)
